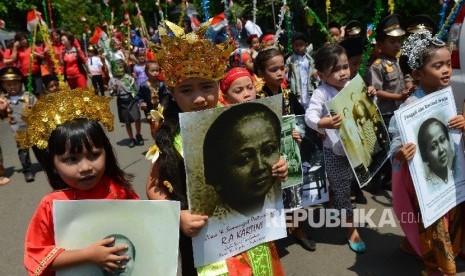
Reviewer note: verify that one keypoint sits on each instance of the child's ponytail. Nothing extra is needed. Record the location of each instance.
(171, 165)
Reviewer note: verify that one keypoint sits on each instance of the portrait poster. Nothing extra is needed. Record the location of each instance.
(312, 189)
(363, 135)
(437, 166)
(228, 154)
(290, 152)
(150, 229)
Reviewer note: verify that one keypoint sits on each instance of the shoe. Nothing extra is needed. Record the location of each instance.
(360, 198)
(132, 143)
(29, 176)
(307, 243)
(140, 140)
(357, 247)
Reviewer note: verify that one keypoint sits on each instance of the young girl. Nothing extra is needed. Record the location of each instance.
(138, 71)
(95, 65)
(151, 94)
(270, 66)
(437, 245)
(122, 85)
(80, 164)
(333, 69)
(193, 90)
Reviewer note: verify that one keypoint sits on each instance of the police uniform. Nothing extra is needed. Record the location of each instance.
(16, 105)
(385, 73)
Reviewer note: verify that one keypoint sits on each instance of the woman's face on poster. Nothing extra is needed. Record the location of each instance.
(438, 148)
(253, 150)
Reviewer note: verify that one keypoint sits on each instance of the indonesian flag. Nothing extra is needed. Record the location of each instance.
(219, 22)
(106, 2)
(104, 23)
(195, 23)
(2, 24)
(33, 18)
(98, 35)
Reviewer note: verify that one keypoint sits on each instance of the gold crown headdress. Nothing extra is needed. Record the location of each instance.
(57, 108)
(192, 56)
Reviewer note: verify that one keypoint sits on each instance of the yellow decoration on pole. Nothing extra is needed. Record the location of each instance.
(391, 6)
(328, 9)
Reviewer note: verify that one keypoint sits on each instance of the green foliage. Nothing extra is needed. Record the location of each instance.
(67, 13)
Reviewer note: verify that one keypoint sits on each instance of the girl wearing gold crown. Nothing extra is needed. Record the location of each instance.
(80, 164)
(192, 67)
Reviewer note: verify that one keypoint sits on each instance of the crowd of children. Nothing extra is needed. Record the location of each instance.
(307, 79)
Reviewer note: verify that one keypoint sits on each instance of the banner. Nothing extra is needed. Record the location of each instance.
(437, 168)
(363, 134)
(228, 154)
(150, 229)
(290, 152)
(313, 188)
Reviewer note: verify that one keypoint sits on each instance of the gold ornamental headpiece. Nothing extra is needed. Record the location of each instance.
(57, 108)
(186, 56)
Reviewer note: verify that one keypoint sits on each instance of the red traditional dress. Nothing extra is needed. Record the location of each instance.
(40, 249)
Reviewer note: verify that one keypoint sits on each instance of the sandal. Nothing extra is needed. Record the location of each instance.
(4, 180)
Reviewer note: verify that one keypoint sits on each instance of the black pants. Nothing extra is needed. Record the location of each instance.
(97, 82)
(25, 159)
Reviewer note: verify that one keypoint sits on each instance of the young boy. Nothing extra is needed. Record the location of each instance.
(392, 88)
(353, 44)
(10, 80)
(385, 74)
(301, 70)
(51, 83)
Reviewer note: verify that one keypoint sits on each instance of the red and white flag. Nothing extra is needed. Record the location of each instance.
(104, 23)
(98, 35)
(219, 22)
(2, 24)
(33, 18)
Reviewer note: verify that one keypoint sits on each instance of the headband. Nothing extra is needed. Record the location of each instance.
(231, 76)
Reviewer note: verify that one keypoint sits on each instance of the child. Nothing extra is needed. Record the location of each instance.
(139, 69)
(199, 91)
(122, 85)
(301, 70)
(237, 86)
(51, 83)
(333, 69)
(17, 103)
(152, 93)
(80, 164)
(334, 30)
(254, 45)
(437, 245)
(385, 74)
(269, 65)
(95, 65)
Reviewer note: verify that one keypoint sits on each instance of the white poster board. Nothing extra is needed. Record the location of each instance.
(151, 226)
(437, 168)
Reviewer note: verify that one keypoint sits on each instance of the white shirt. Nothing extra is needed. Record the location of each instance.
(95, 65)
(317, 110)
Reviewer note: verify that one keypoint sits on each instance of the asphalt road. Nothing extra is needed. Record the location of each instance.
(19, 199)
